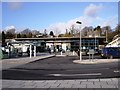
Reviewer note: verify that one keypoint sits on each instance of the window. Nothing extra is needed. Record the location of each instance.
(118, 49)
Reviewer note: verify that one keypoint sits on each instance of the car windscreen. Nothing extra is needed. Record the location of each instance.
(114, 49)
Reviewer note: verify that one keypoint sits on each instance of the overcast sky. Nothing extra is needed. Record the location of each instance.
(58, 15)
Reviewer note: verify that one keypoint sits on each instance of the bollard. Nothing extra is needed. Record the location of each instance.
(73, 52)
(61, 53)
(34, 51)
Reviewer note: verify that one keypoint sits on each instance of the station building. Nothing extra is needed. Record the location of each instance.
(62, 43)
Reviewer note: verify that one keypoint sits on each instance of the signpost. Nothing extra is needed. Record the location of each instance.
(30, 50)
(91, 52)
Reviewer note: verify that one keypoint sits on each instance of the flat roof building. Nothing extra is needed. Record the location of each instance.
(71, 43)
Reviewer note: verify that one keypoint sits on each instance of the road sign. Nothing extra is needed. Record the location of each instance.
(91, 51)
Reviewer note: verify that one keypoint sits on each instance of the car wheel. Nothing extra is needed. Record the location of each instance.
(111, 57)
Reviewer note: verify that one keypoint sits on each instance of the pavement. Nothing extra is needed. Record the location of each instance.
(76, 84)
(111, 83)
(96, 61)
(13, 62)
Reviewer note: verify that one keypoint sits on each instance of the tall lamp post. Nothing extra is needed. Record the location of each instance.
(78, 22)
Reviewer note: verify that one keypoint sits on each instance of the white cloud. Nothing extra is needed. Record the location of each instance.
(62, 26)
(9, 27)
(87, 20)
(57, 28)
(110, 21)
(92, 10)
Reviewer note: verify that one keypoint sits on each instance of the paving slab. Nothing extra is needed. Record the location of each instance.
(108, 86)
(86, 83)
(79, 86)
(59, 84)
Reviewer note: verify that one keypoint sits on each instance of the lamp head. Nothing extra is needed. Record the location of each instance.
(78, 22)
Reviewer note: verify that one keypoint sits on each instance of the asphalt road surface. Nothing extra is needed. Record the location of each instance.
(59, 68)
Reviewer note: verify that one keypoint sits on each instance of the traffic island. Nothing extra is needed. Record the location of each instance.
(96, 61)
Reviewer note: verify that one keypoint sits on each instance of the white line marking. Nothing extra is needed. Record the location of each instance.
(92, 74)
(116, 71)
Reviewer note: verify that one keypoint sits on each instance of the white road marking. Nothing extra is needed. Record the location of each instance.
(91, 74)
(116, 71)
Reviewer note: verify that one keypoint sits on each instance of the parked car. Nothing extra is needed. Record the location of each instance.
(110, 52)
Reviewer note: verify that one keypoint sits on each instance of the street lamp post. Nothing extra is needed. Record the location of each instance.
(80, 42)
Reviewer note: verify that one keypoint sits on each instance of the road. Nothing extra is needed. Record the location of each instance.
(61, 68)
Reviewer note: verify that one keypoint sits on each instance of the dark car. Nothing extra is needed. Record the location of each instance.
(110, 52)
